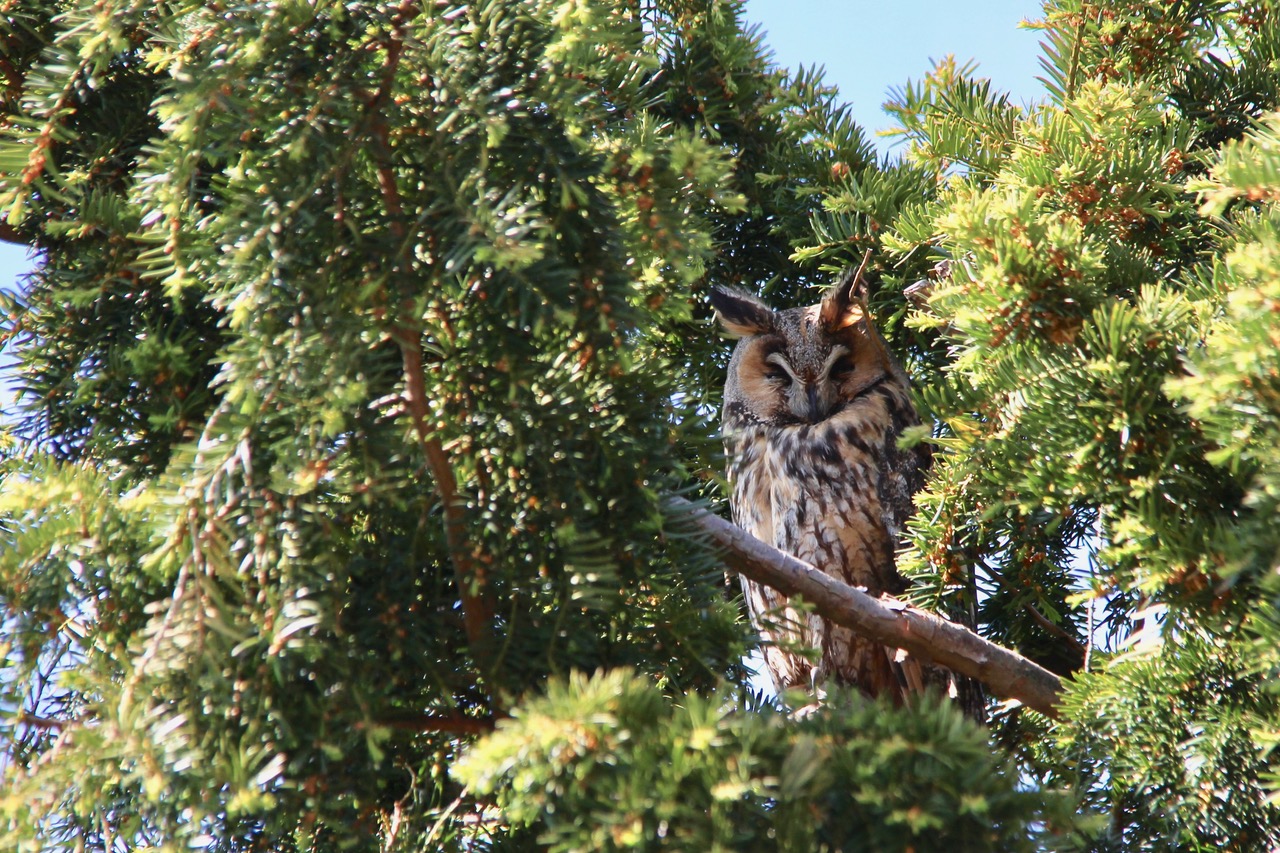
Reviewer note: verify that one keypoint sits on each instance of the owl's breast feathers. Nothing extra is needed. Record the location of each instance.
(793, 483)
(836, 494)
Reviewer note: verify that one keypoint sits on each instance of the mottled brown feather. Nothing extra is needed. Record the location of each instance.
(814, 407)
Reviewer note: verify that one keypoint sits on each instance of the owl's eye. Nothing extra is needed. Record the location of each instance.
(775, 369)
(776, 374)
(841, 369)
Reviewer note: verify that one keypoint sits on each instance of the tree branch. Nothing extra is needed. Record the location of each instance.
(25, 718)
(1056, 630)
(477, 612)
(457, 724)
(885, 620)
(9, 234)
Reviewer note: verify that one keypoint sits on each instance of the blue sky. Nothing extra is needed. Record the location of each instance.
(871, 46)
(867, 48)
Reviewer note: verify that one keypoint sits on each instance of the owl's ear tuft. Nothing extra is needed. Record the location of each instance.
(846, 302)
(741, 314)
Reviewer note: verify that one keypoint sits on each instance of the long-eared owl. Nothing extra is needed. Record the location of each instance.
(813, 408)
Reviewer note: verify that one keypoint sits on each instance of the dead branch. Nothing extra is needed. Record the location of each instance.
(885, 620)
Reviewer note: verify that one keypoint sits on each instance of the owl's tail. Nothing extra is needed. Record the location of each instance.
(917, 677)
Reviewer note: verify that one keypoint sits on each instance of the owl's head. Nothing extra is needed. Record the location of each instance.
(801, 365)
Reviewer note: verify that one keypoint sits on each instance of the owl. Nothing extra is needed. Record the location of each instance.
(813, 408)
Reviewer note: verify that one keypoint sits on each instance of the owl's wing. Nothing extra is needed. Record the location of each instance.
(902, 471)
(782, 628)
(903, 474)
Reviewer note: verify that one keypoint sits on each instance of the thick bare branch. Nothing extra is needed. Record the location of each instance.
(885, 620)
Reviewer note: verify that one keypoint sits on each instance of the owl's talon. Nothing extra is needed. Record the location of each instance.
(806, 710)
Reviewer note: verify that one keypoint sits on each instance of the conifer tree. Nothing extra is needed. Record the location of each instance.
(369, 345)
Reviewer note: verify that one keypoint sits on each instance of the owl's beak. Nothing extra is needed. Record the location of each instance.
(815, 405)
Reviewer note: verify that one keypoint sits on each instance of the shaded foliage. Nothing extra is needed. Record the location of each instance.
(368, 336)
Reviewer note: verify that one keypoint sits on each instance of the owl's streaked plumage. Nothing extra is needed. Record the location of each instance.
(813, 407)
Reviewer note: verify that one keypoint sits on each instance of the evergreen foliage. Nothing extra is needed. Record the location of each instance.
(629, 770)
(368, 336)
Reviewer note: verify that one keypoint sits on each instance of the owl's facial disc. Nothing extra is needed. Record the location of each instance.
(811, 392)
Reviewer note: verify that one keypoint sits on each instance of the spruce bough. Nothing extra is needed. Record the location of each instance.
(369, 341)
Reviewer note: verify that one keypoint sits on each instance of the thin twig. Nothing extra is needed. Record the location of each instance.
(454, 724)
(1055, 629)
(26, 718)
(444, 817)
(1073, 67)
(9, 234)
(1093, 565)
(170, 616)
